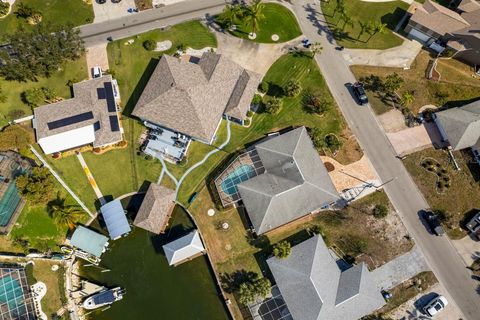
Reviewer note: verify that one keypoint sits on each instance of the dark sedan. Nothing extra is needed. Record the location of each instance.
(359, 92)
(433, 223)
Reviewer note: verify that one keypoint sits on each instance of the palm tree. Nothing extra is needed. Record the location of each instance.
(254, 14)
(64, 215)
(407, 98)
(231, 14)
(376, 27)
(364, 27)
(316, 48)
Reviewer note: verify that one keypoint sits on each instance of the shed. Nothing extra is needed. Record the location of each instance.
(89, 241)
(156, 209)
(115, 219)
(183, 249)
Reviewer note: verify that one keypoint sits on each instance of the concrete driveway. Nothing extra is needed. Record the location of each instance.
(399, 57)
(468, 248)
(414, 139)
(109, 10)
(97, 56)
(412, 309)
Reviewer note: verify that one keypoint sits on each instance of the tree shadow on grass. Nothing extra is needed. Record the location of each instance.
(132, 100)
(392, 19)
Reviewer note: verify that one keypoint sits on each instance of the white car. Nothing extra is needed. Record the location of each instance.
(435, 305)
(96, 72)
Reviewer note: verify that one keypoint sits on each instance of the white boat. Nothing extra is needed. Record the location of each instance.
(103, 298)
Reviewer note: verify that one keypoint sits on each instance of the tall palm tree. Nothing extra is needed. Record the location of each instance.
(63, 214)
(254, 14)
(377, 27)
(231, 14)
(407, 98)
(316, 48)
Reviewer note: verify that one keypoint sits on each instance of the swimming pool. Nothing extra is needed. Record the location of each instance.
(237, 176)
(8, 203)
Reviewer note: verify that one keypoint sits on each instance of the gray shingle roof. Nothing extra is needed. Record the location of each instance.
(192, 98)
(314, 288)
(294, 184)
(461, 125)
(85, 99)
(156, 209)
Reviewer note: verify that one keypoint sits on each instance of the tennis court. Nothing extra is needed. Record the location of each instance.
(16, 301)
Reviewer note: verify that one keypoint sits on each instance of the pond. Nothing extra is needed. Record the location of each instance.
(154, 289)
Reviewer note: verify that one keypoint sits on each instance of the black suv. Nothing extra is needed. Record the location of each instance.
(360, 93)
(433, 223)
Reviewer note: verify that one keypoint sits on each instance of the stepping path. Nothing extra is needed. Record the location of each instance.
(91, 179)
(60, 180)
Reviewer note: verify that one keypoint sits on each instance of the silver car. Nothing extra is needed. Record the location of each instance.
(435, 305)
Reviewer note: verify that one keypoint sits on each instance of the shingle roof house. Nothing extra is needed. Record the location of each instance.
(314, 288)
(460, 126)
(191, 98)
(184, 248)
(458, 30)
(89, 117)
(294, 184)
(156, 208)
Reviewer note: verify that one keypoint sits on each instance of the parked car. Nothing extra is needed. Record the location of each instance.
(433, 223)
(359, 92)
(476, 155)
(96, 72)
(435, 306)
(101, 1)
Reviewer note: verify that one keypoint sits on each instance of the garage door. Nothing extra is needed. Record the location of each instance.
(419, 35)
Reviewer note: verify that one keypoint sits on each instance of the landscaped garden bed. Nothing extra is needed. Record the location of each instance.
(456, 201)
(443, 179)
(364, 25)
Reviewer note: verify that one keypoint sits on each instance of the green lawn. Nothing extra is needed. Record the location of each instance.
(54, 12)
(361, 11)
(278, 20)
(463, 196)
(13, 107)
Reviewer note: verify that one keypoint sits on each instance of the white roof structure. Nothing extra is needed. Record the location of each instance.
(68, 139)
(184, 248)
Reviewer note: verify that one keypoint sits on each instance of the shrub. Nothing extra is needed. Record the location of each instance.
(257, 99)
(122, 144)
(315, 229)
(440, 184)
(4, 7)
(292, 88)
(38, 186)
(182, 47)
(149, 45)
(273, 105)
(380, 211)
(317, 138)
(314, 104)
(264, 86)
(148, 157)
(282, 249)
(246, 122)
(249, 113)
(332, 142)
(252, 289)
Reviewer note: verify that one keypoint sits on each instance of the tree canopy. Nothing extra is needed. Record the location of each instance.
(15, 137)
(254, 288)
(38, 186)
(63, 214)
(282, 249)
(41, 52)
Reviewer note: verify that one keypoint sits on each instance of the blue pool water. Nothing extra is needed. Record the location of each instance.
(11, 293)
(8, 203)
(239, 175)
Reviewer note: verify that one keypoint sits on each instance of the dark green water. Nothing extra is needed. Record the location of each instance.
(155, 290)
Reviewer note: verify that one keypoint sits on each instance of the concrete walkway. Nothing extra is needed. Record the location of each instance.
(60, 180)
(400, 269)
(91, 179)
(397, 57)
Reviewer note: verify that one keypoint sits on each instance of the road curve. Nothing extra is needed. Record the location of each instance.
(440, 254)
(136, 23)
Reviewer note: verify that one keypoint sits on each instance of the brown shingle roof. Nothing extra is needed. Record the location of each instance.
(191, 98)
(438, 18)
(156, 208)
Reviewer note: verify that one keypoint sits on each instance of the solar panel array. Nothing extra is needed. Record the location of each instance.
(70, 120)
(114, 125)
(111, 106)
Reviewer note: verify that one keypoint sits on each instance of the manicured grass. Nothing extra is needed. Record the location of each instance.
(54, 12)
(54, 299)
(456, 82)
(278, 20)
(463, 195)
(360, 11)
(75, 71)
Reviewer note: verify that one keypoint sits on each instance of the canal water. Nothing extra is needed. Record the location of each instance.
(154, 289)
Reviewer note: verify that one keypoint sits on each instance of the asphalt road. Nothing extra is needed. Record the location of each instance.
(136, 23)
(440, 254)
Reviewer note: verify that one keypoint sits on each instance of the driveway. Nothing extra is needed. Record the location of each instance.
(110, 11)
(97, 56)
(411, 310)
(400, 269)
(468, 248)
(250, 55)
(414, 139)
(399, 57)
